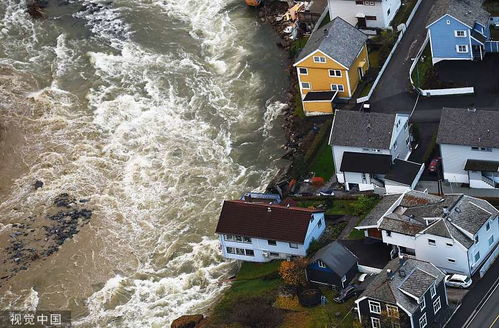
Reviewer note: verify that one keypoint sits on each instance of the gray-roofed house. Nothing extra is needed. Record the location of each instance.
(459, 30)
(469, 144)
(376, 14)
(332, 265)
(370, 152)
(455, 232)
(330, 66)
(407, 293)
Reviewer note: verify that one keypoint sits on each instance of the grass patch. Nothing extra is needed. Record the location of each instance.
(251, 271)
(341, 207)
(403, 13)
(298, 111)
(322, 164)
(423, 69)
(366, 90)
(326, 20)
(374, 59)
(297, 45)
(356, 234)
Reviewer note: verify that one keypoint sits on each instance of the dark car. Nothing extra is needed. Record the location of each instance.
(346, 293)
(433, 167)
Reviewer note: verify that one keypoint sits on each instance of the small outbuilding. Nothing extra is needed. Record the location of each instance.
(332, 265)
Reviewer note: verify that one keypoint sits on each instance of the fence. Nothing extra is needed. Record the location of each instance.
(387, 61)
(492, 46)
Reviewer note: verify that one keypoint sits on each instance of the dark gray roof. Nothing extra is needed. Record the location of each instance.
(320, 95)
(458, 235)
(479, 165)
(360, 129)
(369, 252)
(342, 42)
(401, 224)
(365, 163)
(470, 213)
(467, 11)
(438, 228)
(336, 257)
(477, 128)
(384, 204)
(403, 172)
(388, 290)
(417, 282)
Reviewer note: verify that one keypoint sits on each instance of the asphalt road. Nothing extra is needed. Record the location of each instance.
(488, 313)
(475, 298)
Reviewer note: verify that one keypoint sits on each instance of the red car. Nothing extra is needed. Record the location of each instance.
(434, 164)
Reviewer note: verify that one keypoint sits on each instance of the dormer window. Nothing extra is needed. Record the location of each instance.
(321, 264)
(319, 59)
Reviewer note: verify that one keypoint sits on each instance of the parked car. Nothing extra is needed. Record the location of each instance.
(328, 192)
(346, 293)
(458, 280)
(433, 167)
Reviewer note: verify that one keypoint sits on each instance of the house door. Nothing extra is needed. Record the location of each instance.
(361, 22)
(361, 73)
(477, 52)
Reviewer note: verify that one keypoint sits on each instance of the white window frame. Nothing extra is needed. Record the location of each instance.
(491, 240)
(321, 264)
(448, 22)
(293, 245)
(465, 51)
(487, 226)
(432, 242)
(392, 311)
(451, 260)
(435, 308)
(336, 87)
(304, 87)
(319, 59)
(433, 291)
(232, 248)
(422, 305)
(306, 70)
(336, 73)
(423, 318)
(477, 239)
(375, 322)
(476, 260)
(374, 307)
(271, 244)
(456, 33)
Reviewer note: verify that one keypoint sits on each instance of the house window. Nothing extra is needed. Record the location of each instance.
(462, 48)
(293, 245)
(395, 145)
(392, 311)
(433, 291)
(240, 251)
(388, 12)
(337, 87)
(487, 226)
(319, 59)
(375, 323)
(319, 224)
(272, 242)
(334, 73)
(303, 71)
(422, 321)
(448, 22)
(369, 3)
(436, 305)
(448, 244)
(274, 254)
(422, 305)
(432, 242)
(374, 307)
(305, 85)
(406, 125)
(460, 34)
(373, 18)
(247, 240)
(451, 260)
(389, 233)
(487, 149)
(230, 250)
(477, 256)
(477, 239)
(359, 2)
(491, 240)
(250, 252)
(321, 264)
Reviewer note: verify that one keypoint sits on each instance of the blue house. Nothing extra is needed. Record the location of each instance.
(460, 30)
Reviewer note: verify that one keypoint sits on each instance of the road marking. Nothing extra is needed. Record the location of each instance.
(494, 322)
(475, 312)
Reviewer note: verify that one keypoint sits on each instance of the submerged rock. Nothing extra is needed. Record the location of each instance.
(188, 321)
(38, 184)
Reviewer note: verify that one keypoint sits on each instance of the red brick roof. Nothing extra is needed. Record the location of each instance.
(264, 221)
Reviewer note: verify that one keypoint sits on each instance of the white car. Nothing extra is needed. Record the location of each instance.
(458, 280)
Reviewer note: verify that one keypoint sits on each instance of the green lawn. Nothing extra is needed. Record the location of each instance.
(403, 13)
(322, 164)
(374, 59)
(422, 70)
(366, 90)
(341, 207)
(251, 270)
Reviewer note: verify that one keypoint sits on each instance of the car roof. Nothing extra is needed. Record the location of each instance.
(458, 276)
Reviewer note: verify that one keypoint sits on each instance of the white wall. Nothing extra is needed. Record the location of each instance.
(400, 135)
(399, 240)
(283, 248)
(441, 252)
(348, 11)
(483, 243)
(454, 159)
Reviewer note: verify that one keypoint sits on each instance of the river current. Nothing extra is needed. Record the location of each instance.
(155, 111)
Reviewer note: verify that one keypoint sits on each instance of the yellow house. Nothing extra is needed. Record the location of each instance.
(331, 65)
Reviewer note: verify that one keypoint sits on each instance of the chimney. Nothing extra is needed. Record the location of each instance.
(401, 260)
(269, 209)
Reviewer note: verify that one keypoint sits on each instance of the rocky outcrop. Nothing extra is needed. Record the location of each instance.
(189, 321)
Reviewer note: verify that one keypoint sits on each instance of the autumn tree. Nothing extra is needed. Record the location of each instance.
(293, 272)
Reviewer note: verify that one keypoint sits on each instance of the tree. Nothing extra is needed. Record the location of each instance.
(293, 272)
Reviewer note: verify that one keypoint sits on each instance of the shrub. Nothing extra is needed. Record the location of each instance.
(293, 272)
(363, 205)
(256, 312)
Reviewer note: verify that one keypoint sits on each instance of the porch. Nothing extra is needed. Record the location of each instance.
(483, 174)
(319, 102)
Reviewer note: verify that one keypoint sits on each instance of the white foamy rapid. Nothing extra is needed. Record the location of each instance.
(156, 116)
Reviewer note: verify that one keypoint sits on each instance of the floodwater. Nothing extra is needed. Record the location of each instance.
(156, 111)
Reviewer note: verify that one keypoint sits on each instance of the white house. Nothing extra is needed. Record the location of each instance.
(370, 150)
(259, 232)
(365, 14)
(469, 144)
(457, 233)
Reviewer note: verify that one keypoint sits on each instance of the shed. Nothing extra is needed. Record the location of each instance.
(332, 265)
